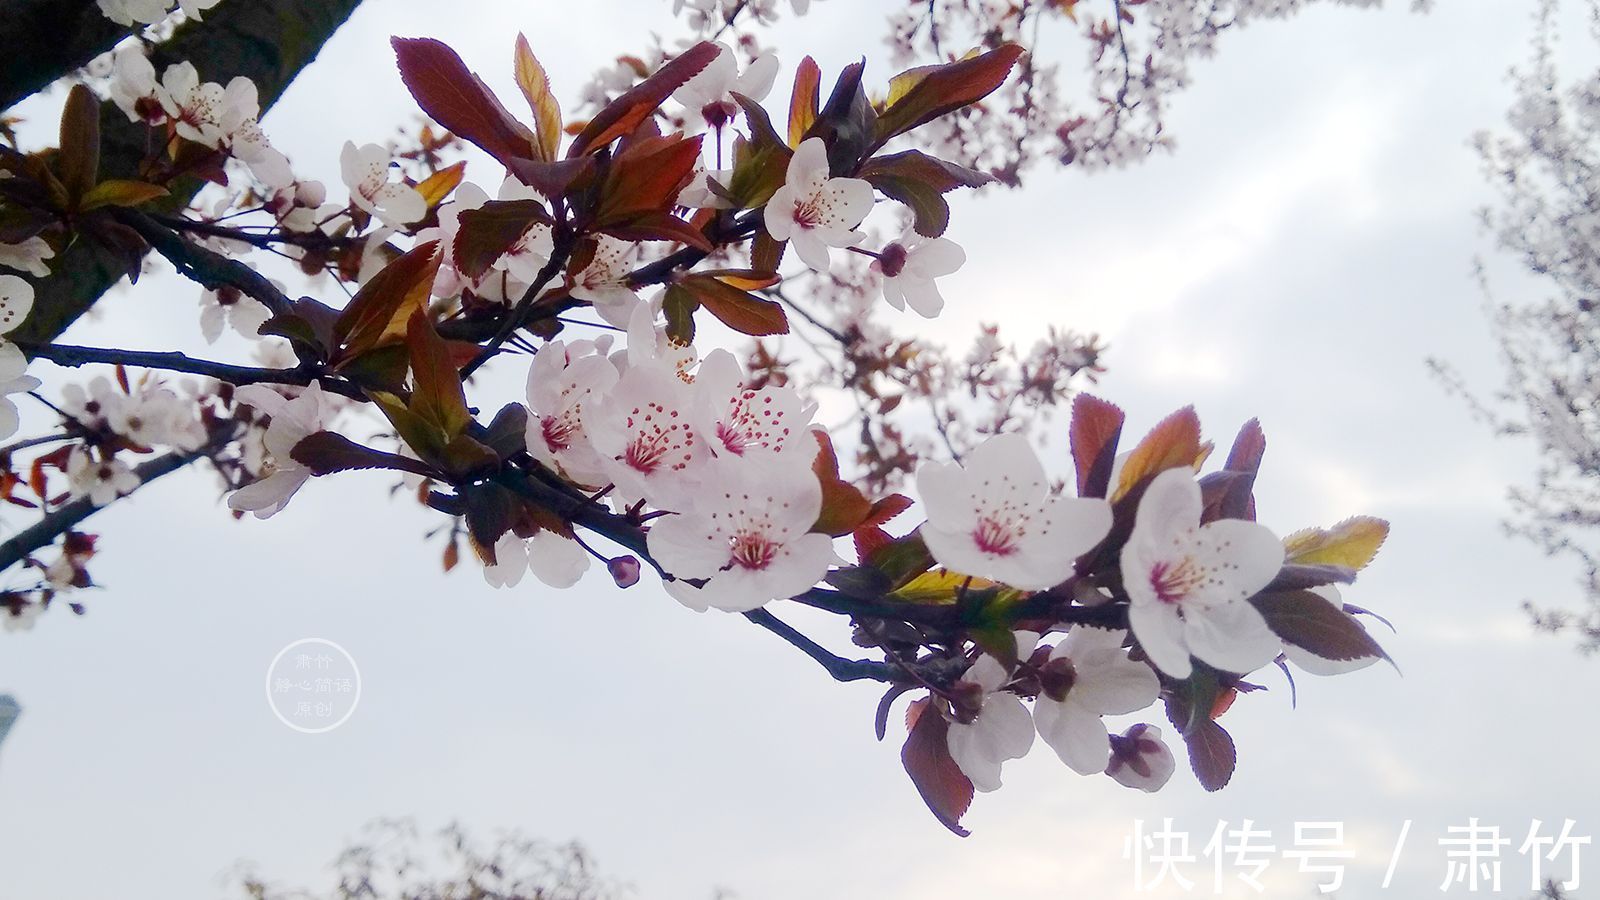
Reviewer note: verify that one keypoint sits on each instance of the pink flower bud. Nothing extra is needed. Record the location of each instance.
(1140, 760)
(624, 571)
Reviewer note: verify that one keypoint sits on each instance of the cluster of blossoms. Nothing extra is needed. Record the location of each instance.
(150, 12)
(1153, 582)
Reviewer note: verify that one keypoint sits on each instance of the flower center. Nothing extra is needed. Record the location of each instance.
(653, 441)
(807, 213)
(752, 550)
(995, 536)
(1174, 583)
(559, 430)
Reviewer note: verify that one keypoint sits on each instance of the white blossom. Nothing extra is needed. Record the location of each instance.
(366, 172)
(645, 427)
(813, 211)
(1140, 759)
(230, 306)
(991, 724)
(1190, 584)
(740, 419)
(510, 562)
(292, 421)
(1089, 675)
(133, 85)
(748, 534)
(557, 561)
(196, 108)
(910, 265)
(28, 256)
(13, 380)
(563, 382)
(101, 480)
(994, 517)
(708, 96)
(604, 282)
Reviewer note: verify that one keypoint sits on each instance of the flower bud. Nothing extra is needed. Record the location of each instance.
(1139, 759)
(892, 260)
(624, 571)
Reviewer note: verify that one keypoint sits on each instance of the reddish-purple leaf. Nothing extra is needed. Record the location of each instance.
(1096, 428)
(1312, 623)
(920, 181)
(458, 99)
(1211, 755)
(490, 231)
(936, 90)
(926, 756)
(622, 115)
(326, 452)
(737, 309)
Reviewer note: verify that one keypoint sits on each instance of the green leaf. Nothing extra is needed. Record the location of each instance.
(1353, 543)
(678, 306)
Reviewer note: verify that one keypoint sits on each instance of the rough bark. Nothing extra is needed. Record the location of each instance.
(45, 39)
(268, 41)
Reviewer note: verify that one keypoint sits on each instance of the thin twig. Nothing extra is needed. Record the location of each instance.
(72, 356)
(840, 668)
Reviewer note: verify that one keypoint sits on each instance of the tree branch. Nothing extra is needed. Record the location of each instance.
(205, 267)
(45, 39)
(72, 356)
(44, 532)
(840, 668)
(267, 41)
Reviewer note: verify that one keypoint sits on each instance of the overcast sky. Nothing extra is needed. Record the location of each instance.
(1300, 256)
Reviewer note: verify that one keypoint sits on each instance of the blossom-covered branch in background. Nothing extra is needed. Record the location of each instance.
(1545, 166)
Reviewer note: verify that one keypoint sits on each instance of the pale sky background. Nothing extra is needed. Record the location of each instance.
(1297, 259)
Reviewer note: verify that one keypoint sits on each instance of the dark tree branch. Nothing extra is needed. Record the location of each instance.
(44, 532)
(205, 267)
(840, 668)
(45, 39)
(73, 356)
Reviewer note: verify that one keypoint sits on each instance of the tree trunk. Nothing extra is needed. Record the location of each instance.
(267, 41)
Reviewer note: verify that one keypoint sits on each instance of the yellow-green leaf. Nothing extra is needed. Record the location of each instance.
(120, 192)
(1174, 442)
(438, 186)
(546, 111)
(940, 586)
(1351, 543)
